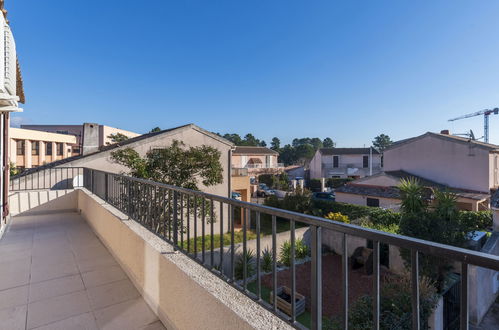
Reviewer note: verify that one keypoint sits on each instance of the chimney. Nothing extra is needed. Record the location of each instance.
(445, 132)
(90, 138)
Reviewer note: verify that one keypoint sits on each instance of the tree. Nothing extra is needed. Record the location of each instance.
(328, 143)
(117, 138)
(275, 144)
(234, 138)
(439, 222)
(263, 143)
(381, 142)
(250, 140)
(174, 165)
(155, 130)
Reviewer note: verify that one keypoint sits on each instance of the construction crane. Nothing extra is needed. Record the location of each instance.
(486, 113)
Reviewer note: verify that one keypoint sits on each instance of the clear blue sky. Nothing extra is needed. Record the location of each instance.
(349, 70)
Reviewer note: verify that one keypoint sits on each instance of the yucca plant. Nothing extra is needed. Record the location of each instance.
(267, 260)
(413, 201)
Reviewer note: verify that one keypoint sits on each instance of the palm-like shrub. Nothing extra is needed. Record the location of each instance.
(267, 260)
(301, 252)
(249, 256)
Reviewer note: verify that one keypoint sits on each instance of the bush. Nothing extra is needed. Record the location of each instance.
(395, 309)
(268, 179)
(239, 265)
(314, 184)
(301, 252)
(337, 217)
(267, 260)
(376, 215)
(481, 220)
(337, 182)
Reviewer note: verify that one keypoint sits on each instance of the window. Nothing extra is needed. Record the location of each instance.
(48, 148)
(20, 147)
(372, 202)
(336, 161)
(35, 148)
(365, 161)
(59, 149)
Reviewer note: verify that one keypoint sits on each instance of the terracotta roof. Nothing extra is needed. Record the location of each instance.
(356, 188)
(244, 150)
(347, 151)
(451, 138)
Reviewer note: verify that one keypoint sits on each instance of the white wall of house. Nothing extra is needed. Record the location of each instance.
(322, 165)
(439, 159)
(388, 203)
(316, 166)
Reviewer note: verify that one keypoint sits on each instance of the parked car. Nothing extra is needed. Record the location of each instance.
(323, 196)
(264, 191)
(236, 195)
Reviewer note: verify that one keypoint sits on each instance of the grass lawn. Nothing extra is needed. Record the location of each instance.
(281, 225)
(238, 238)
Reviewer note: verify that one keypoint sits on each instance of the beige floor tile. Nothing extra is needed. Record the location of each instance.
(50, 259)
(97, 263)
(50, 310)
(154, 326)
(131, 314)
(14, 273)
(103, 276)
(112, 293)
(13, 318)
(91, 252)
(56, 287)
(13, 256)
(14, 297)
(80, 322)
(46, 272)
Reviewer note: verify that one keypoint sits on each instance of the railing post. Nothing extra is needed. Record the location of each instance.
(129, 204)
(175, 222)
(316, 277)
(464, 318)
(106, 192)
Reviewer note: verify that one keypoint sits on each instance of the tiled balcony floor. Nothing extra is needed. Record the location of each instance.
(56, 274)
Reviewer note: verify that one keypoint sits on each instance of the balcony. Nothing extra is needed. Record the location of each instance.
(165, 239)
(251, 166)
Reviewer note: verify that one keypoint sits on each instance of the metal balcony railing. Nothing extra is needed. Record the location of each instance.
(186, 219)
(278, 165)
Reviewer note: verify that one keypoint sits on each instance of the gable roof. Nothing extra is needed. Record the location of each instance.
(356, 188)
(447, 137)
(124, 143)
(244, 150)
(347, 151)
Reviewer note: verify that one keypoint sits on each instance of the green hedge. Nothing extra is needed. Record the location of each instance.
(314, 184)
(337, 182)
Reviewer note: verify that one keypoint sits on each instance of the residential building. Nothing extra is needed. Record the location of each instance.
(447, 159)
(30, 148)
(381, 190)
(258, 160)
(345, 163)
(96, 135)
(190, 135)
(467, 167)
(11, 94)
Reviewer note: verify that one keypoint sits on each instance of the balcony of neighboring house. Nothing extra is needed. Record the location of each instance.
(91, 249)
(349, 170)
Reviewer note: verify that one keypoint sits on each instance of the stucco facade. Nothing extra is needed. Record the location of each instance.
(446, 159)
(190, 135)
(30, 148)
(344, 163)
(257, 160)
